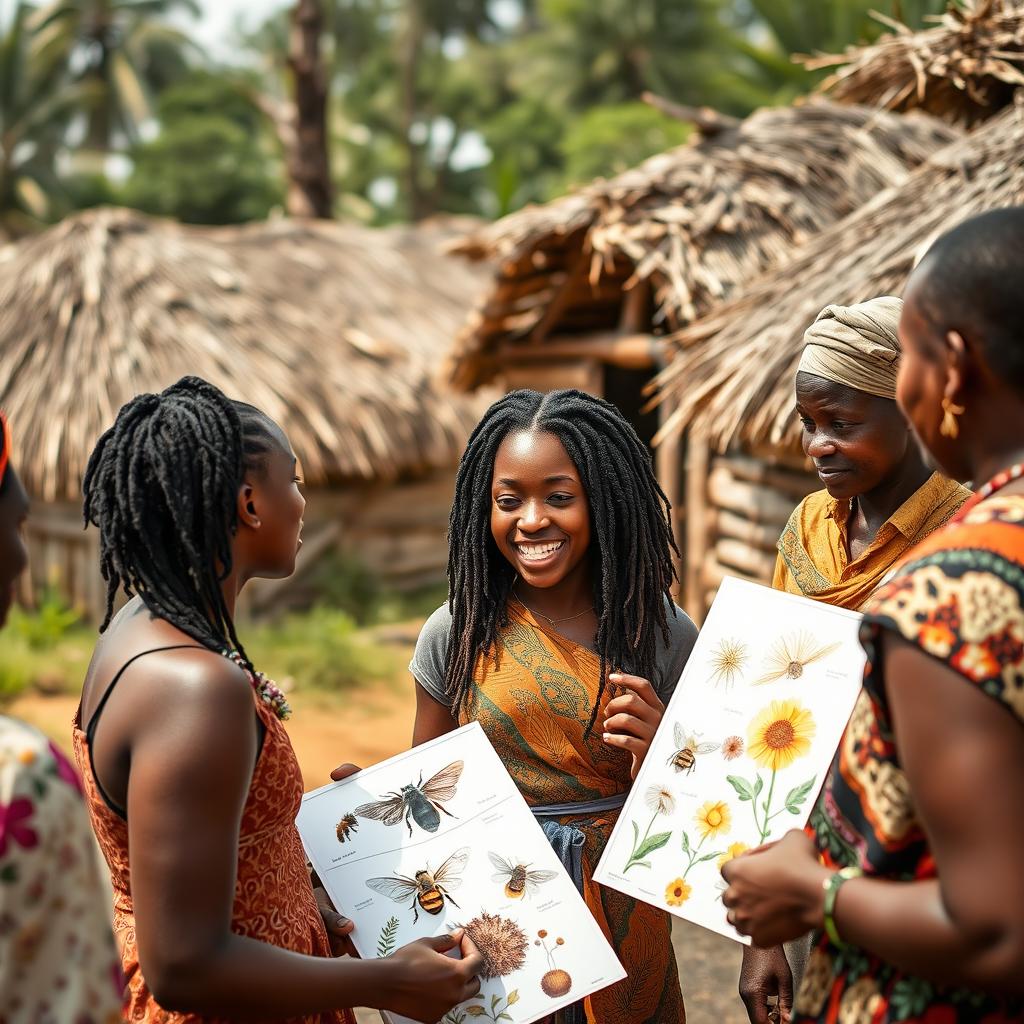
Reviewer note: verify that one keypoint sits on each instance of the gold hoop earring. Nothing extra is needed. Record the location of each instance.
(950, 427)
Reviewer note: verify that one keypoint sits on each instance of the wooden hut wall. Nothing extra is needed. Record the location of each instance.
(397, 531)
(737, 505)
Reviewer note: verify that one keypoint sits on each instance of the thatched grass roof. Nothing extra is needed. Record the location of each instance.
(733, 374)
(695, 222)
(964, 69)
(334, 330)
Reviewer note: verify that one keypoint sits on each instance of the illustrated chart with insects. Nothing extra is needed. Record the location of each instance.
(438, 838)
(742, 750)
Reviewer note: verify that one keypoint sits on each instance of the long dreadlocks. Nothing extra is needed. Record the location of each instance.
(162, 487)
(629, 514)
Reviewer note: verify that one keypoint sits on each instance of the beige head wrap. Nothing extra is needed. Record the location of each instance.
(856, 345)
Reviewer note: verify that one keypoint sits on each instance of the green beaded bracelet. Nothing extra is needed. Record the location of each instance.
(832, 885)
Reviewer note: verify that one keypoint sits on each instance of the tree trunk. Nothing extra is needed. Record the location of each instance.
(310, 191)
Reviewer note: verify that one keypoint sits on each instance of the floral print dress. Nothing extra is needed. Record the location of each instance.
(58, 961)
(960, 599)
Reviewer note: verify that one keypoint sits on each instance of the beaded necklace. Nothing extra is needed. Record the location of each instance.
(266, 689)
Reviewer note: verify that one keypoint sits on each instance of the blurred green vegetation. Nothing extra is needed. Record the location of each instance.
(344, 641)
(465, 106)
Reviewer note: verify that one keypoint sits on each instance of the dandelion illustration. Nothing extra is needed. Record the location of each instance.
(778, 735)
(501, 942)
(791, 655)
(727, 661)
(556, 982)
(732, 747)
(712, 818)
(660, 800)
(734, 850)
(677, 892)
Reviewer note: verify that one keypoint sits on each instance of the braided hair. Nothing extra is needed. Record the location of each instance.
(631, 550)
(162, 487)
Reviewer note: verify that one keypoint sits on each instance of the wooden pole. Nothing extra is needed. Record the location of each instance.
(698, 461)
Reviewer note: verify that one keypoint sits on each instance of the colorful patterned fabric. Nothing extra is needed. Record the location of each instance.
(273, 897)
(534, 708)
(58, 961)
(813, 549)
(959, 598)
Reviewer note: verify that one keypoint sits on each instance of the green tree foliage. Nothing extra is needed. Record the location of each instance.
(212, 161)
(119, 53)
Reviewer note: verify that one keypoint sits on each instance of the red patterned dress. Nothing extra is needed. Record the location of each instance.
(959, 598)
(273, 898)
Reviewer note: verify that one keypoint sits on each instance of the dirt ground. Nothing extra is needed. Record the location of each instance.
(373, 723)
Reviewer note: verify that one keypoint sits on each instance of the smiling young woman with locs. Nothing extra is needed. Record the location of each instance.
(192, 783)
(561, 640)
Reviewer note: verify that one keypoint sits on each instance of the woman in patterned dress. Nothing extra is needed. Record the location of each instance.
(561, 640)
(58, 961)
(192, 782)
(918, 909)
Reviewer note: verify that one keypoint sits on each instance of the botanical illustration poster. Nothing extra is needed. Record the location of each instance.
(438, 838)
(742, 751)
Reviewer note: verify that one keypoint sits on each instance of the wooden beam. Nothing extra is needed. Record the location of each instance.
(668, 459)
(631, 352)
(698, 459)
(558, 304)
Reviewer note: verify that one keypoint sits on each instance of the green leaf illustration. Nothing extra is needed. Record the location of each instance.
(709, 856)
(758, 786)
(652, 843)
(388, 935)
(636, 834)
(742, 787)
(686, 842)
(495, 999)
(798, 795)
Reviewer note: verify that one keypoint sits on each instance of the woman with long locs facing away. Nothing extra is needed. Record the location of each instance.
(192, 783)
(560, 638)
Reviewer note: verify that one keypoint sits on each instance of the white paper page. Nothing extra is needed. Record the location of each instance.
(771, 673)
(548, 945)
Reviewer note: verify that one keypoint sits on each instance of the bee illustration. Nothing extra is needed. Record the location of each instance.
(684, 758)
(347, 827)
(519, 880)
(419, 802)
(429, 888)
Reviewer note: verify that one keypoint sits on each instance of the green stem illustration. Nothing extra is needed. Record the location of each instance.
(748, 791)
(498, 1011)
(693, 853)
(647, 845)
(388, 937)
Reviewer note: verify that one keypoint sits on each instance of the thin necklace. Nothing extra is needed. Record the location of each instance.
(547, 618)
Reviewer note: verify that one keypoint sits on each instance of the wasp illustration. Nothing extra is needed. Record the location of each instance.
(429, 888)
(684, 758)
(419, 802)
(347, 827)
(519, 880)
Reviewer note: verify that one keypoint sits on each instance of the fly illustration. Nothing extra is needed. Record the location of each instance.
(419, 802)
(684, 757)
(429, 889)
(519, 880)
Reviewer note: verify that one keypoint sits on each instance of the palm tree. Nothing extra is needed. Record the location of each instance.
(36, 105)
(120, 52)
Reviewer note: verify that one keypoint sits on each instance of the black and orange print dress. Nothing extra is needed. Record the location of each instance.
(959, 598)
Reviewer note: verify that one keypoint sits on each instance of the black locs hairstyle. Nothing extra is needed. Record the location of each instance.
(162, 487)
(631, 550)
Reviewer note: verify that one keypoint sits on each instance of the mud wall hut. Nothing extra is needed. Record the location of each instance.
(334, 330)
(587, 287)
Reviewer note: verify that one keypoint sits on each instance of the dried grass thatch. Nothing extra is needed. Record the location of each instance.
(696, 222)
(732, 379)
(963, 70)
(333, 330)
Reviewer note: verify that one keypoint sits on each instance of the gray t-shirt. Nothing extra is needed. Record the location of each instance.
(430, 657)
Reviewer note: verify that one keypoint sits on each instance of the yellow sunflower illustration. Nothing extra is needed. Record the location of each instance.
(712, 818)
(677, 892)
(780, 733)
(734, 850)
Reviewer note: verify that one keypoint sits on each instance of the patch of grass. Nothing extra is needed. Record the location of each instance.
(319, 649)
(47, 649)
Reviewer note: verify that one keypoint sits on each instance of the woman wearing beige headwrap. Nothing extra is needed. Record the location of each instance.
(879, 499)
